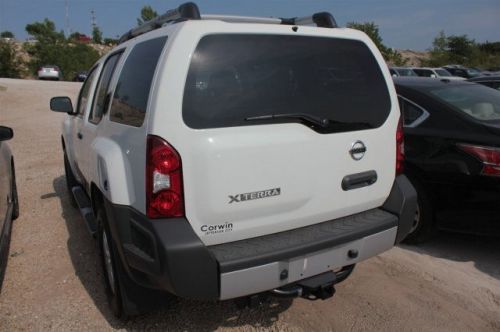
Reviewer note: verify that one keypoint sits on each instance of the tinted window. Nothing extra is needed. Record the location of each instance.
(423, 72)
(475, 100)
(443, 73)
(411, 112)
(101, 97)
(132, 90)
(235, 77)
(85, 92)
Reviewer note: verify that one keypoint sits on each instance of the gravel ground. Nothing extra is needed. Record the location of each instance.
(54, 282)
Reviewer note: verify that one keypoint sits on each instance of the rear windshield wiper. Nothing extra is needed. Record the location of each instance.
(314, 120)
(308, 118)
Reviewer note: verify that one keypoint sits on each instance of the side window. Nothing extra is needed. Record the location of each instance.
(131, 95)
(413, 115)
(102, 95)
(83, 98)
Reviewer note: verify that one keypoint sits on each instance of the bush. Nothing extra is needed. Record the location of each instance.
(9, 65)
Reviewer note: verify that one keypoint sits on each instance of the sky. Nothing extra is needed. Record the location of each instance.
(403, 24)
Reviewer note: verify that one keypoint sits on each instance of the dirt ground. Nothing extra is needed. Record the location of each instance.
(54, 282)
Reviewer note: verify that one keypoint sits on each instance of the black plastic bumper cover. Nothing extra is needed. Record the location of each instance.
(167, 254)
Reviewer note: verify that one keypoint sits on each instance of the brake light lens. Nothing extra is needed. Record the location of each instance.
(489, 156)
(400, 148)
(164, 192)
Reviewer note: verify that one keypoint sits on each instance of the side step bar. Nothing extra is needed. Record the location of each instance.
(83, 202)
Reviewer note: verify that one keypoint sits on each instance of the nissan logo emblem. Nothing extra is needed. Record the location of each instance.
(358, 150)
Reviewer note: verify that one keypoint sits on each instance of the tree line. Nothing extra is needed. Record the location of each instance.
(72, 56)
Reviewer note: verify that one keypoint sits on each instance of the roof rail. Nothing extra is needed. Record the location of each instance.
(190, 11)
(323, 19)
(186, 11)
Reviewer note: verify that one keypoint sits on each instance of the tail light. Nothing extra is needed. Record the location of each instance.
(489, 156)
(400, 149)
(164, 192)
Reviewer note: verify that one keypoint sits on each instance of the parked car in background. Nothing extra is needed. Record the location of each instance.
(49, 72)
(452, 147)
(402, 71)
(461, 71)
(491, 81)
(9, 204)
(435, 73)
(81, 76)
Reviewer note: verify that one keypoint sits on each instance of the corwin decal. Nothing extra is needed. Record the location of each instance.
(255, 195)
(216, 229)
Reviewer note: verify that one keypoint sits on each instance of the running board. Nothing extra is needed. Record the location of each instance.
(83, 202)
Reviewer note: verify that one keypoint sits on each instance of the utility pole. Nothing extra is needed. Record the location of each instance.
(66, 6)
(93, 22)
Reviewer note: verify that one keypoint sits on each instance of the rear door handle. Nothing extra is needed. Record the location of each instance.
(359, 180)
(79, 135)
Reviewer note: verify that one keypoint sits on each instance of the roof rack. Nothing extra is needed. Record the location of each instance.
(190, 11)
(186, 11)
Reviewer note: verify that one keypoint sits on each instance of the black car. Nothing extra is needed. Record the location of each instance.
(80, 77)
(452, 147)
(491, 81)
(462, 71)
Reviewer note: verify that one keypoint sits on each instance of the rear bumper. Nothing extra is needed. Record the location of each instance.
(167, 254)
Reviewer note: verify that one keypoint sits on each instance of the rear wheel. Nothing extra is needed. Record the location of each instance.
(109, 265)
(423, 227)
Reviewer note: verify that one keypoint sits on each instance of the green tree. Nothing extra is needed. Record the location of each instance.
(97, 35)
(371, 29)
(9, 64)
(6, 34)
(147, 14)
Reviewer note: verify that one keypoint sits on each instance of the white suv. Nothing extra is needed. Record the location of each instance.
(217, 157)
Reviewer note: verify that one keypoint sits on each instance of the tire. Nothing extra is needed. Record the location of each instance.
(423, 228)
(15, 197)
(109, 263)
(70, 180)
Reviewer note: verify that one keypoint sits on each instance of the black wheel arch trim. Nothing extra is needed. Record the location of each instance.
(402, 201)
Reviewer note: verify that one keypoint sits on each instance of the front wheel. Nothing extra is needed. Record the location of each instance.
(15, 198)
(70, 180)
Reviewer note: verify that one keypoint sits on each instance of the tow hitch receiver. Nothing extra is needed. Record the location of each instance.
(314, 288)
(318, 287)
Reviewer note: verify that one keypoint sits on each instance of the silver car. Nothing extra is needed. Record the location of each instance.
(9, 204)
(49, 72)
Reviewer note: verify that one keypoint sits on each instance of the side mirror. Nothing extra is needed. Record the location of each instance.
(61, 104)
(433, 75)
(6, 133)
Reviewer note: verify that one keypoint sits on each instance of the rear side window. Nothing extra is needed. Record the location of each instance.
(102, 95)
(413, 115)
(132, 90)
(234, 78)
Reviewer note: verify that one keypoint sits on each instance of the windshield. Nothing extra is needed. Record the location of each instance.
(443, 72)
(406, 72)
(234, 77)
(478, 101)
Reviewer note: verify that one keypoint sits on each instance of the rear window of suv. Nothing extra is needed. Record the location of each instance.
(236, 79)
